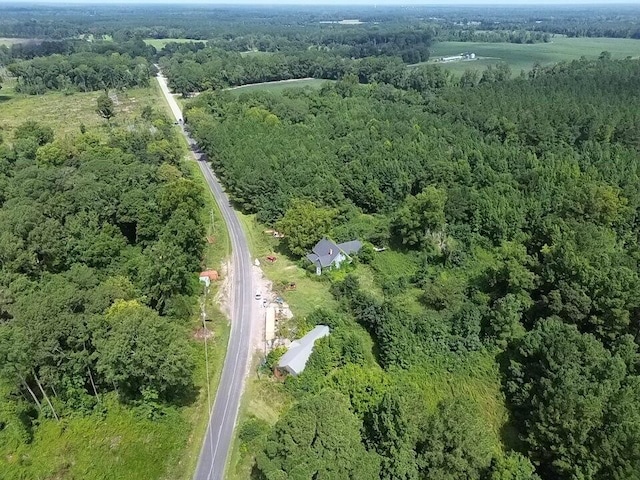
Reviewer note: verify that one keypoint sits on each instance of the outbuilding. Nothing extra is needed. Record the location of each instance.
(208, 276)
(295, 360)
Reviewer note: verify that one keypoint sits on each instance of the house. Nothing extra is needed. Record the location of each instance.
(327, 254)
(300, 350)
(208, 276)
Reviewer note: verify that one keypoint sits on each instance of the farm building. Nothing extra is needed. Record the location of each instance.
(300, 350)
(327, 254)
(462, 56)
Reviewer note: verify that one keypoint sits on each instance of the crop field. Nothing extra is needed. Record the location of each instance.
(523, 56)
(280, 85)
(159, 43)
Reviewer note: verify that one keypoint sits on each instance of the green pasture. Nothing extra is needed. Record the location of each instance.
(524, 56)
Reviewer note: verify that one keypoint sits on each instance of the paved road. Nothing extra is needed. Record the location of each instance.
(213, 456)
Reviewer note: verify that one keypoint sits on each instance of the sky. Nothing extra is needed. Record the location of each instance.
(338, 2)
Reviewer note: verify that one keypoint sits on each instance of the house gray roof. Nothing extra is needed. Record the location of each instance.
(351, 247)
(300, 350)
(326, 251)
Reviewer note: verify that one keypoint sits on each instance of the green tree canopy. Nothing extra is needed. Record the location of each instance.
(452, 446)
(318, 438)
(138, 351)
(304, 224)
(571, 399)
(105, 107)
(421, 217)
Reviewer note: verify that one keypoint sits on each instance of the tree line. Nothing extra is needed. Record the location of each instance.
(100, 238)
(83, 72)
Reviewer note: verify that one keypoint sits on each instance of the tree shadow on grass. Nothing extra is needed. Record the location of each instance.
(509, 433)
(185, 397)
(5, 98)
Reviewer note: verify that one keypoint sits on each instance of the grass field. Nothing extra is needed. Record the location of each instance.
(12, 41)
(65, 113)
(523, 56)
(280, 85)
(159, 43)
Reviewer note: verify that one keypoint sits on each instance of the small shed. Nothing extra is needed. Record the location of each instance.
(300, 350)
(208, 276)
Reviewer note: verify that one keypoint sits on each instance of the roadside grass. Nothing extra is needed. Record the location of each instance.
(65, 113)
(159, 43)
(255, 53)
(279, 86)
(311, 292)
(524, 56)
(12, 41)
(265, 399)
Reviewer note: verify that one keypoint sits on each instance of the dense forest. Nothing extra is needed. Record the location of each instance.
(99, 239)
(515, 204)
(383, 29)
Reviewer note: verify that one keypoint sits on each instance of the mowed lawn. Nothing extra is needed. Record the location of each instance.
(524, 56)
(66, 113)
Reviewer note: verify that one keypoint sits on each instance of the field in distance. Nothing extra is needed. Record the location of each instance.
(280, 85)
(159, 43)
(523, 56)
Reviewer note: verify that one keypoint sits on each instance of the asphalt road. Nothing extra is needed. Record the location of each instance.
(217, 442)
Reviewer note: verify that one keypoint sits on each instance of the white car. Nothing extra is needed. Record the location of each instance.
(258, 295)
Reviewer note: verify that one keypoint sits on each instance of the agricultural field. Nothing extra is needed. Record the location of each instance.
(524, 56)
(159, 43)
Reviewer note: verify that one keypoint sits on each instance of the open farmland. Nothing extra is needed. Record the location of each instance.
(524, 56)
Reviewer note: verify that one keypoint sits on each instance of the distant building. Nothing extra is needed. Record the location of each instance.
(455, 58)
(327, 254)
(295, 360)
(452, 58)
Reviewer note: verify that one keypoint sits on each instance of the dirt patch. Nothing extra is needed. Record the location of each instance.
(269, 299)
(223, 296)
(202, 333)
(263, 285)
